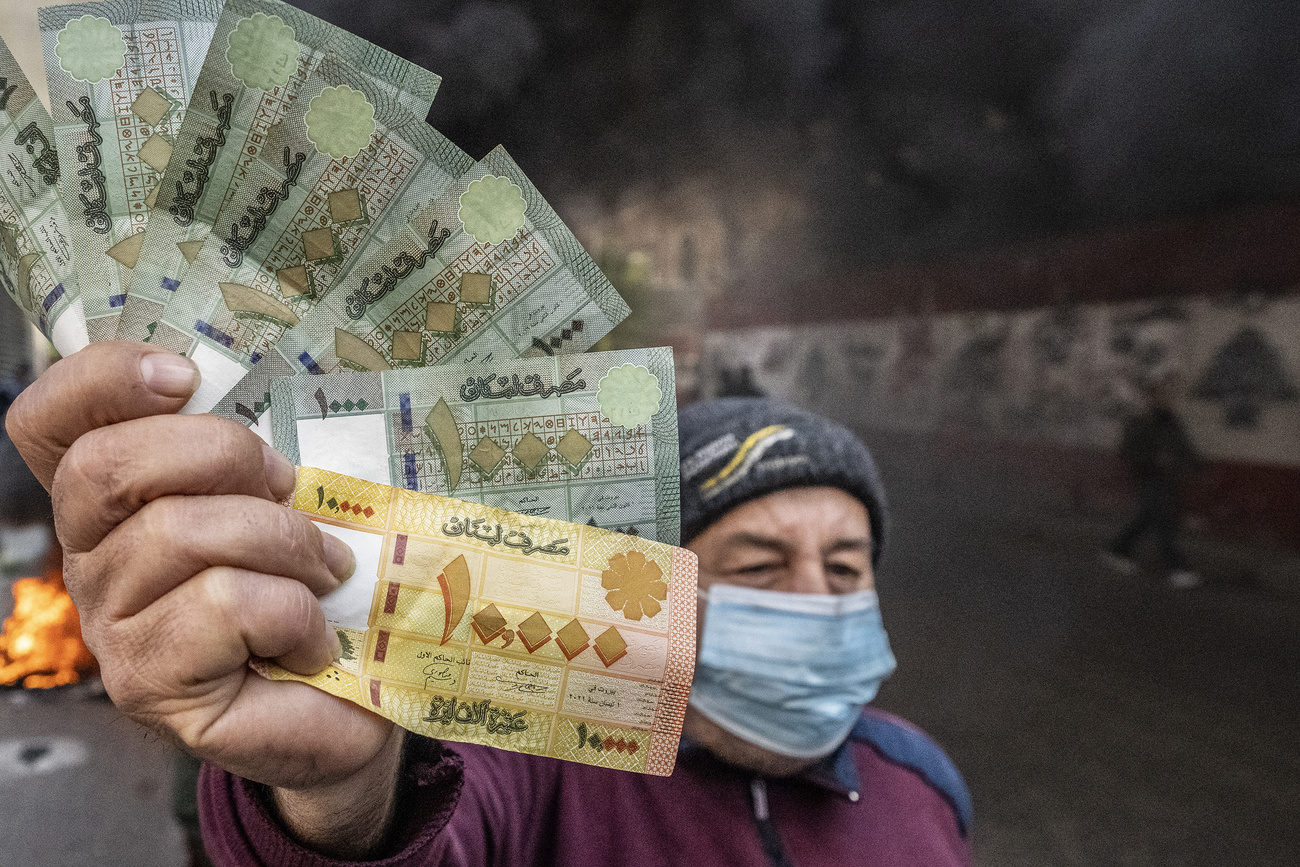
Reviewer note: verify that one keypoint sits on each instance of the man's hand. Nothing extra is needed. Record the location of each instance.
(183, 564)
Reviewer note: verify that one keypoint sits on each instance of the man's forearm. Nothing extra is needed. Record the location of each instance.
(350, 819)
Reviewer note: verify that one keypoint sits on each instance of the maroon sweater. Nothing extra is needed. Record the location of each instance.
(889, 796)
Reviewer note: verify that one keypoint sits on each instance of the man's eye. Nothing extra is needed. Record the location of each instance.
(843, 570)
(755, 568)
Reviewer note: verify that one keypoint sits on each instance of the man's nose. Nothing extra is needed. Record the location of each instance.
(808, 575)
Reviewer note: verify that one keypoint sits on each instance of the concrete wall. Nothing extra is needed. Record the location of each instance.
(1027, 359)
(1048, 389)
(1064, 375)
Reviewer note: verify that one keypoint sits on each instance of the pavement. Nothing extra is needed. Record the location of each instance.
(1099, 719)
(79, 784)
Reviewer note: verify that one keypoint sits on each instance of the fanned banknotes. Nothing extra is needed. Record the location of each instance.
(120, 73)
(303, 197)
(445, 290)
(588, 438)
(484, 272)
(255, 188)
(260, 56)
(473, 624)
(37, 263)
(291, 228)
(227, 127)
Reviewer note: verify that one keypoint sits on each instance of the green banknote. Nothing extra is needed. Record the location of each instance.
(248, 156)
(36, 254)
(120, 73)
(226, 128)
(588, 438)
(315, 203)
(486, 272)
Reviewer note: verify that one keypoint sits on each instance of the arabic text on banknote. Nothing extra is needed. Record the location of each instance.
(469, 623)
(589, 438)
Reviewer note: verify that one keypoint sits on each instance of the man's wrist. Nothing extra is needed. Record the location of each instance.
(351, 818)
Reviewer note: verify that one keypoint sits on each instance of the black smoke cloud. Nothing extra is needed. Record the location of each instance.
(915, 128)
(1181, 106)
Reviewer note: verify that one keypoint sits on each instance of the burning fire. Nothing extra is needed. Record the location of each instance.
(41, 645)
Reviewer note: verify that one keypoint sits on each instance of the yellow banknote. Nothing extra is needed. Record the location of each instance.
(469, 623)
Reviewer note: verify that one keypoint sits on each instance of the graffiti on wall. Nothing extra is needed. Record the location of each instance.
(974, 377)
(1245, 375)
(1143, 347)
(1067, 374)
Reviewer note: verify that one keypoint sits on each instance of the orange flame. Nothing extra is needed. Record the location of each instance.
(41, 645)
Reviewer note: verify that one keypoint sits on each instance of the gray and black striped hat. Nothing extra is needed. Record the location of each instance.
(737, 449)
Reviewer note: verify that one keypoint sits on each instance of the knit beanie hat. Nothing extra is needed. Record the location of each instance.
(737, 449)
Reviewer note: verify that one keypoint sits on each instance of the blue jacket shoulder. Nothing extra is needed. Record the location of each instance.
(905, 745)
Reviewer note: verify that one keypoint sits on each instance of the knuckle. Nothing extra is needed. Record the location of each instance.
(301, 606)
(95, 466)
(220, 592)
(240, 599)
(20, 424)
(126, 660)
(228, 443)
(299, 536)
(291, 601)
(82, 575)
(246, 602)
(164, 522)
(38, 448)
(130, 548)
(299, 617)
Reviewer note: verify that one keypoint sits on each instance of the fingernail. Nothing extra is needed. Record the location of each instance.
(336, 646)
(339, 557)
(281, 474)
(169, 375)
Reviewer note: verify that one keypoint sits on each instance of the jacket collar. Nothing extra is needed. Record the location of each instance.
(836, 773)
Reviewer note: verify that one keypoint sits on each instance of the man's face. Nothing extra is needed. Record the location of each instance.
(800, 540)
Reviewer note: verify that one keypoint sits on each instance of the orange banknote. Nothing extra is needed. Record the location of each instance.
(469, 623)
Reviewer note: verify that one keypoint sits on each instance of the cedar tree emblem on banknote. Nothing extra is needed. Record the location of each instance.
(629, 395)
(636, 585)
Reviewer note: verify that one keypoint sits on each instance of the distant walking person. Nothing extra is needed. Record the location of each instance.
(1159, 456)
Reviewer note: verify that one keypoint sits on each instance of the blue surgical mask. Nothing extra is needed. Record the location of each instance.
(789, 672)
